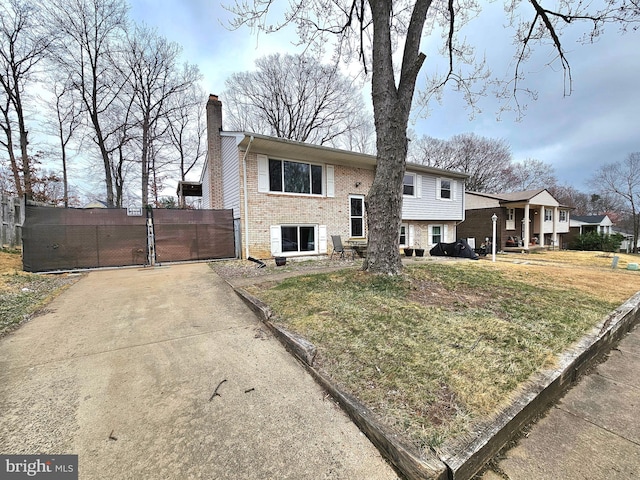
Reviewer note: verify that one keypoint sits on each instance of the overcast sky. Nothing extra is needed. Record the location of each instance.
(597, 124)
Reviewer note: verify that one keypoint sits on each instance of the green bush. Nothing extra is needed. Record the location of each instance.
(594, 241)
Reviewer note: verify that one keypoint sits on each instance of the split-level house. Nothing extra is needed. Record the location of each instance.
(289, 198)
(524, 220)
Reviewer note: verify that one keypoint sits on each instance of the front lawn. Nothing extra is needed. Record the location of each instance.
(447, 343)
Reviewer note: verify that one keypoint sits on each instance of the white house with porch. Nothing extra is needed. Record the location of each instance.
(525, 220)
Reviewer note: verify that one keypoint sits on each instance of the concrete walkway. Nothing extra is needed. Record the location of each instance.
(593, 433)
(122, 370)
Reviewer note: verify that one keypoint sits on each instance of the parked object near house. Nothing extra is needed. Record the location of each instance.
(525, 220)
(338, 247)
(289, 197)
(459, 248)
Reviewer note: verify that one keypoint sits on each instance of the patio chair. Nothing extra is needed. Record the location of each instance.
(338, 248)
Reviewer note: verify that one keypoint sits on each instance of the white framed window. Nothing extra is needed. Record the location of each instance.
(404, 235)
(286, 176)
(412, 185)
(407, 235)
(295, 177)
(548, 215)
(445, 189)
(409, 185)
(562, 216)
(298, 239)
(356, 216)
(436, 234)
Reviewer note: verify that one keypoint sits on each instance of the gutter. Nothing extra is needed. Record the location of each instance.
(246, 201)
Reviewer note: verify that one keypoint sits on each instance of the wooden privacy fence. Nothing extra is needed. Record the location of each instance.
(67, 238)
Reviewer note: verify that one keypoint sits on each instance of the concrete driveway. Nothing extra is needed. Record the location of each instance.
(121, 369)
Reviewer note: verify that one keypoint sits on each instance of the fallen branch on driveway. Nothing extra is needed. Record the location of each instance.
(215, 392)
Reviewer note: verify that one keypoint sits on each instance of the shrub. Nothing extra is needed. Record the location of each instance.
(594, 241)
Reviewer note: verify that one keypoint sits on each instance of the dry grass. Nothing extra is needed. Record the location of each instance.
(23, 295)
(587, 271)
(444, 346)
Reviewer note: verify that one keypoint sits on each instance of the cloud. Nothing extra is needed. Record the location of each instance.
(595, 125)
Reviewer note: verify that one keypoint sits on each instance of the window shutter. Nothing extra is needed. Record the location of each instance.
(419, 186)
(322, 239)
(276, 240)
(330, 180)
(445, 235)
(263, 173)
(411, 235)
(454, 189)
(438, 188)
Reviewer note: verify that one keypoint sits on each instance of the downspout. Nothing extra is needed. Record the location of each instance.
(246, 201)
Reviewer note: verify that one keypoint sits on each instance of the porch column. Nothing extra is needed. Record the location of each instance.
(541, 228)
(527, 232)
(554, 236)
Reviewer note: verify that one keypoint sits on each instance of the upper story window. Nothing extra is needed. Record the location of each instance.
(548, 215)
(295, 177)
(409, 185)
(562, 216)
(445, 189)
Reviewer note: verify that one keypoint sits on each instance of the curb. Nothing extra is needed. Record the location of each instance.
(462, 459)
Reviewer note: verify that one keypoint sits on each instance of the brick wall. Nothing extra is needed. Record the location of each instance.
(478, 225)
(266, 209)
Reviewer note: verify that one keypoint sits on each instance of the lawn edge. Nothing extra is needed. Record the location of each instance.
(404, 458)
(459, 460)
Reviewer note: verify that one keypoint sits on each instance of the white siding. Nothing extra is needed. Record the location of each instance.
(476, 202)
(230, 175)
(206, 186)
(429, 207)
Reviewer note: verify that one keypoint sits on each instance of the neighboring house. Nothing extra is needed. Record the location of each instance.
(96, 204)
(580, 225)
(525, 220)
(583, 224)
(289, 198)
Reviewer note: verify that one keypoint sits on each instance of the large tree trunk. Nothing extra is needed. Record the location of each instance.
(391, 108)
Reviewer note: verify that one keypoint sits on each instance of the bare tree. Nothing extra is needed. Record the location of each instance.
(187, 130)
(155, 78)
(530, 174)
(293, 97)
(23, 45)
(487, 161)
(69, 113)
(571, 197)
(91, 33)
(360, 137)
(380, 26)
(622, 179)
